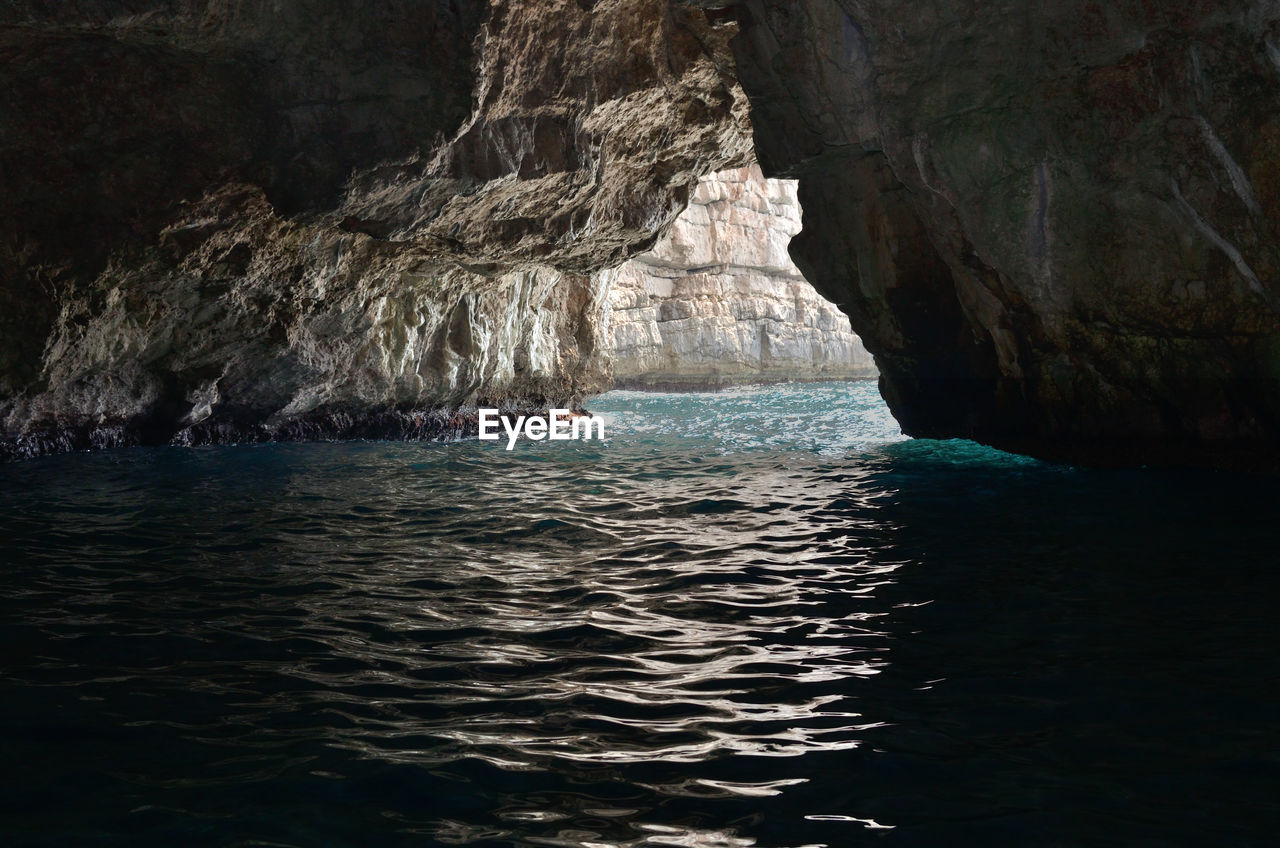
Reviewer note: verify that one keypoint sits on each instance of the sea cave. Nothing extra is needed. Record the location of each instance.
(927, 356)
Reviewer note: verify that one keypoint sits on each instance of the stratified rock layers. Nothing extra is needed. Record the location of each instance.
(1055, 224)
(229, 221)
(718, 301)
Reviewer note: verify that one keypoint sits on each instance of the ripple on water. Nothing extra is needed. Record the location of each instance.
(752, 618)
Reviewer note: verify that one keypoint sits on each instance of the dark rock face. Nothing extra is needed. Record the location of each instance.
(1055, 224)
(242, 220)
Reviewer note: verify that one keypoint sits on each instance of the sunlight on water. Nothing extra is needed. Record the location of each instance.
(753, 618)
(825, 418)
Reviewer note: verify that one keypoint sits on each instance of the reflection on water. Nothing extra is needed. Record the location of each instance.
(752, 619)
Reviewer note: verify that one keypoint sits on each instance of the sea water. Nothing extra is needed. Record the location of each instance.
(760, 617)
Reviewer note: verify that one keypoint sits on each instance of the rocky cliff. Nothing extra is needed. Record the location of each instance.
(718, 301)
(233, 220)
(1055, 224)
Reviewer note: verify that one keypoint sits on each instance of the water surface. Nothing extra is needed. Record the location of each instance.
(756, 618)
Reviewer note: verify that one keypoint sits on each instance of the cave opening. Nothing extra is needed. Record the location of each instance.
(269, 273)
(714, 328)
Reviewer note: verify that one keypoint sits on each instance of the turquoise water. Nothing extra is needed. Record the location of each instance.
(754, 618)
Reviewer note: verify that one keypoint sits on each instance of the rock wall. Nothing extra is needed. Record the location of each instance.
(718, 301)
(229, 220)
(1055, 224)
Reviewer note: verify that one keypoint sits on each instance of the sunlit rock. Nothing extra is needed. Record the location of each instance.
(718, 300)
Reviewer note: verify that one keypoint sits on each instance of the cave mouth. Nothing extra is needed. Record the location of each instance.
(377, 255)
(718, 343)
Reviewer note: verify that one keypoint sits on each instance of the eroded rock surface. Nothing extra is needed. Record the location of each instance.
(718, 300)
(230, 220)
(1055, 224)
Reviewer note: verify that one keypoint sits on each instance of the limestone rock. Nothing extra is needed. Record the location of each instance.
(718, 300)
(242, 221)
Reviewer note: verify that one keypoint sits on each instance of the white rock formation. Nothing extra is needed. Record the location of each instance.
(719, 302)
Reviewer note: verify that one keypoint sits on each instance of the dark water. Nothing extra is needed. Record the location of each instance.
(759, 618)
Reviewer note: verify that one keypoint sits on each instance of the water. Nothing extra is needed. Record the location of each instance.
(759, 618)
